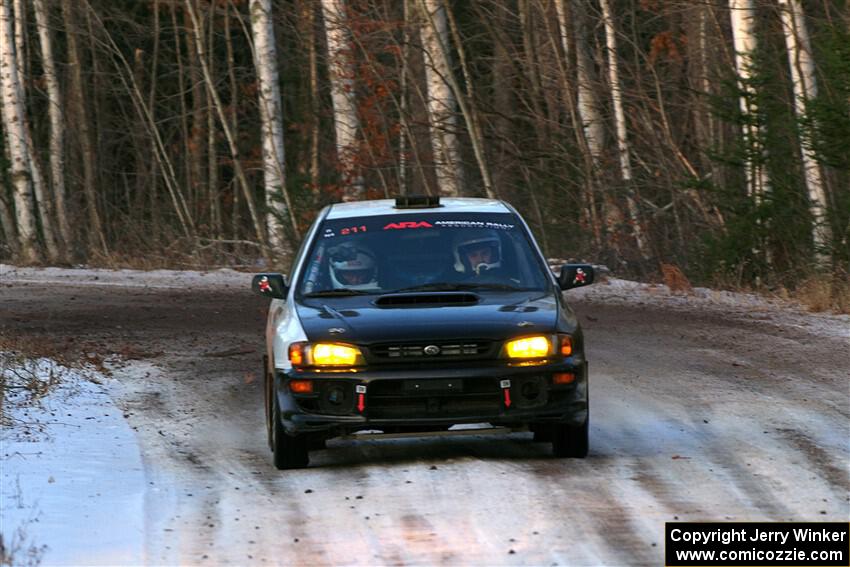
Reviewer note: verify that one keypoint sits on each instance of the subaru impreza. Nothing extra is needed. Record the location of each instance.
(415, 315)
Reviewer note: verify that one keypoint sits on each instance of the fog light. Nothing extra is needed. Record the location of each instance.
(335, 395)
(301, 386)
(530, 390)
(563, 378)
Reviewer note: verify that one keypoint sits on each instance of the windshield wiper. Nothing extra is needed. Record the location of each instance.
(442, 286)
(343, 292)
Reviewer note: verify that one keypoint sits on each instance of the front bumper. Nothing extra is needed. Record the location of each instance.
(426, 396)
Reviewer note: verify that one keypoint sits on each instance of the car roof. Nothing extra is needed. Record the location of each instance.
(387, 207)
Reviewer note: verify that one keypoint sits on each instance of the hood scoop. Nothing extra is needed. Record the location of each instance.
(518, 309)
(430, 299)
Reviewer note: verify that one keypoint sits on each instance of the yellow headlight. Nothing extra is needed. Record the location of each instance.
(529, 347)
(329, 354)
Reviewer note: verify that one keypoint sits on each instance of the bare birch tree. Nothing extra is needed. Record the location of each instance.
(13, 126)
(56, 114)
(195, 34)
(230, 136)
(343, 96)
(41, 195)
(589, 112)
(278, 206)
(589, 106)
(571, 86)
(802, 68)
(77, 97)
(468, 106)
(623, 148)
(441, 102)
(742, 14)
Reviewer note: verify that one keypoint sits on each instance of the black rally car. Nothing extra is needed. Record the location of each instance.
(418, 314)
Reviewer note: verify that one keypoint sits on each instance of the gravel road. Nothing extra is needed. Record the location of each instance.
(698, 413)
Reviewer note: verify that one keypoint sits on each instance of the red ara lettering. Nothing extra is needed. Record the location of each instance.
(408, 224)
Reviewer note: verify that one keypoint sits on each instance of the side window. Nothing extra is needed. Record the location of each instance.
(514, 263)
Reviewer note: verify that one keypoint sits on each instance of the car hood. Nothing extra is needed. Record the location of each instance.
(494, 316)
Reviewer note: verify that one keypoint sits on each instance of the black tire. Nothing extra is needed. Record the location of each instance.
(289, 452)
(268, 392)
(542, 432)
(570, 440)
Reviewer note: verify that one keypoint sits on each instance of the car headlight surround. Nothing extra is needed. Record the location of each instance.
(325, 355)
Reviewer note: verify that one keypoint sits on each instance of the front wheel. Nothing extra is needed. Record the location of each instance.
(570, 440)
(289, 452)
(268, 394)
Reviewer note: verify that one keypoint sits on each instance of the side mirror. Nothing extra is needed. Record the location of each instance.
(575, 275)
(270, 285)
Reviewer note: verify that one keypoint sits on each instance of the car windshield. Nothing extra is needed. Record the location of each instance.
(421, 252)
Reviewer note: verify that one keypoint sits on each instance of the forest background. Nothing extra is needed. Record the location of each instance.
(689, 140)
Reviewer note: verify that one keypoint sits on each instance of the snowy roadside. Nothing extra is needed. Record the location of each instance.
(745, 306)
(154, 279)
(72, 485)
(204, 470)
(612, 290)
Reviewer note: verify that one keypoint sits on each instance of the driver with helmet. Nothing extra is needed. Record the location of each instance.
(477, 252)
(353, 268)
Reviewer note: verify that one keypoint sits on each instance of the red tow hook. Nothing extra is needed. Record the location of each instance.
(506, 388)
(361, 397)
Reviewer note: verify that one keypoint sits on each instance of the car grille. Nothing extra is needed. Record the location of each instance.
(427, 351)
(403, 399)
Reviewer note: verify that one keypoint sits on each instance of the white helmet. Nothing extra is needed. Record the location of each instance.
(353, 268)
(475, 240)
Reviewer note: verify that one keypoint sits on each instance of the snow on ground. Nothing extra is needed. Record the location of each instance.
(79, 484)
(156, 279)
(72, 482)
(747, 305)
(732, 304)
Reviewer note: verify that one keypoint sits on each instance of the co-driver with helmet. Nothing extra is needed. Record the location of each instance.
(477, 252)
(353, 268)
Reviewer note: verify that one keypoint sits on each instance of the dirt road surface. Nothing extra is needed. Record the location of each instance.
(698, 413)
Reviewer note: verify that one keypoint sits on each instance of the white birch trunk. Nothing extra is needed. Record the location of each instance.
(346, 119)
(588, 103)
(13, 126)
(57, 127)
(568, 39)
(802, 68)
(442, 119)
(277, 200)
(44, 204)
(622, 135)
(561, 12)
(742, 14)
